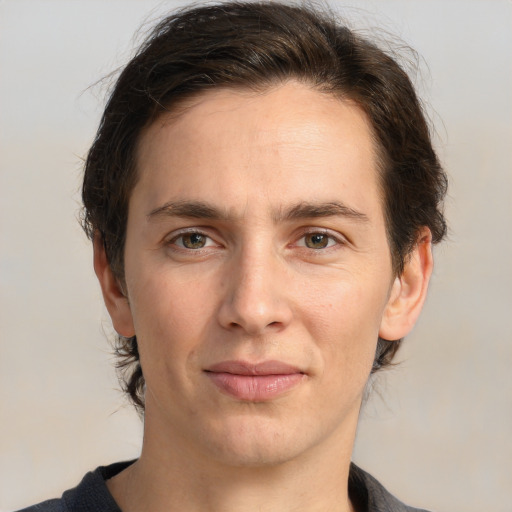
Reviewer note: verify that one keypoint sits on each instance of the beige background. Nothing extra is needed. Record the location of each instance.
(436, 430)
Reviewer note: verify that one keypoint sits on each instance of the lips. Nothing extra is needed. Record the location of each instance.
(254, 382)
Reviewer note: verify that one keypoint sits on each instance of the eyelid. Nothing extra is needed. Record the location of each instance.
(333, 235)
(340, 240)
(171, 239)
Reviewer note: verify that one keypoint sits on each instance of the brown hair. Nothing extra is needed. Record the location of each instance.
(255, 45)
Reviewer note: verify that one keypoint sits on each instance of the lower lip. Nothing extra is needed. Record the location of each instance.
(255, 388)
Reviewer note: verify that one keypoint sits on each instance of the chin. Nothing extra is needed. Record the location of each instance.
(257, 454)
(255, 442)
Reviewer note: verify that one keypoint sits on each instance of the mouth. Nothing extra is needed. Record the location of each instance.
(259, 382)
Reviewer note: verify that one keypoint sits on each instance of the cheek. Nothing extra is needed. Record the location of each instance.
(344, 318)
(169, 319)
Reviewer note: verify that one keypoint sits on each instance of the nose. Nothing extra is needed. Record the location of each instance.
(255, 294)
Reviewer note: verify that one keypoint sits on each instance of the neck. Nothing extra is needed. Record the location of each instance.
(172, 476)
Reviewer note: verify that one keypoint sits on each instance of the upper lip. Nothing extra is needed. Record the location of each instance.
(246, 368)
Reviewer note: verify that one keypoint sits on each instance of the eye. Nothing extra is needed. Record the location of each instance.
(318, 240)
(192, 240)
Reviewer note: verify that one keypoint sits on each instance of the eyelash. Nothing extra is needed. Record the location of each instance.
(173, 240)
(338, 240)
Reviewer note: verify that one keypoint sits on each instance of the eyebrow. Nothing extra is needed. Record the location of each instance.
(188, 209)
(302, 210)
(306, 210)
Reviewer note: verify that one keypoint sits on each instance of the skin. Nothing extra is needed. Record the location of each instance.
(255, 284)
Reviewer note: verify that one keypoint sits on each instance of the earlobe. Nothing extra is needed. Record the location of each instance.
(115, 299)
(409, 290)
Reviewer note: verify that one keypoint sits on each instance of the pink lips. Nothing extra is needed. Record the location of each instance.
(254, 382)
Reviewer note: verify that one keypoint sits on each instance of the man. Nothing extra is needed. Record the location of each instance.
(262, 195)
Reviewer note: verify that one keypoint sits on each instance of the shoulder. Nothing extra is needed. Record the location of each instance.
(55, 505)
(368, 494)
(90, 495)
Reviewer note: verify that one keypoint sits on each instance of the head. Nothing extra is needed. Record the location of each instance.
(256, 48)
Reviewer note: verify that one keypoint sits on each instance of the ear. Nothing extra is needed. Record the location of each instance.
(409, 290)
(113, 295)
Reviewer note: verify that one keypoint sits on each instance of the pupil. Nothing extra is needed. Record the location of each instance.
(317, 241)
(193, 241)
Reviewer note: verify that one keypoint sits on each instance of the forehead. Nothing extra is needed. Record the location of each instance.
(286, 144)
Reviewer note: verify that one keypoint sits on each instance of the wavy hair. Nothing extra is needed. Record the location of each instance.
(256, 45)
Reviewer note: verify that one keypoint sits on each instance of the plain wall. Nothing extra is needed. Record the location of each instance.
(436, 429)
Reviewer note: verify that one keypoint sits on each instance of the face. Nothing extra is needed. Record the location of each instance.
(257, 272)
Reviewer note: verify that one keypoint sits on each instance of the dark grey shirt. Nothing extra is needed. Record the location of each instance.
(92, 495)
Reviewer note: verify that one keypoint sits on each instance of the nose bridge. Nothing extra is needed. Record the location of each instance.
(255, 284)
